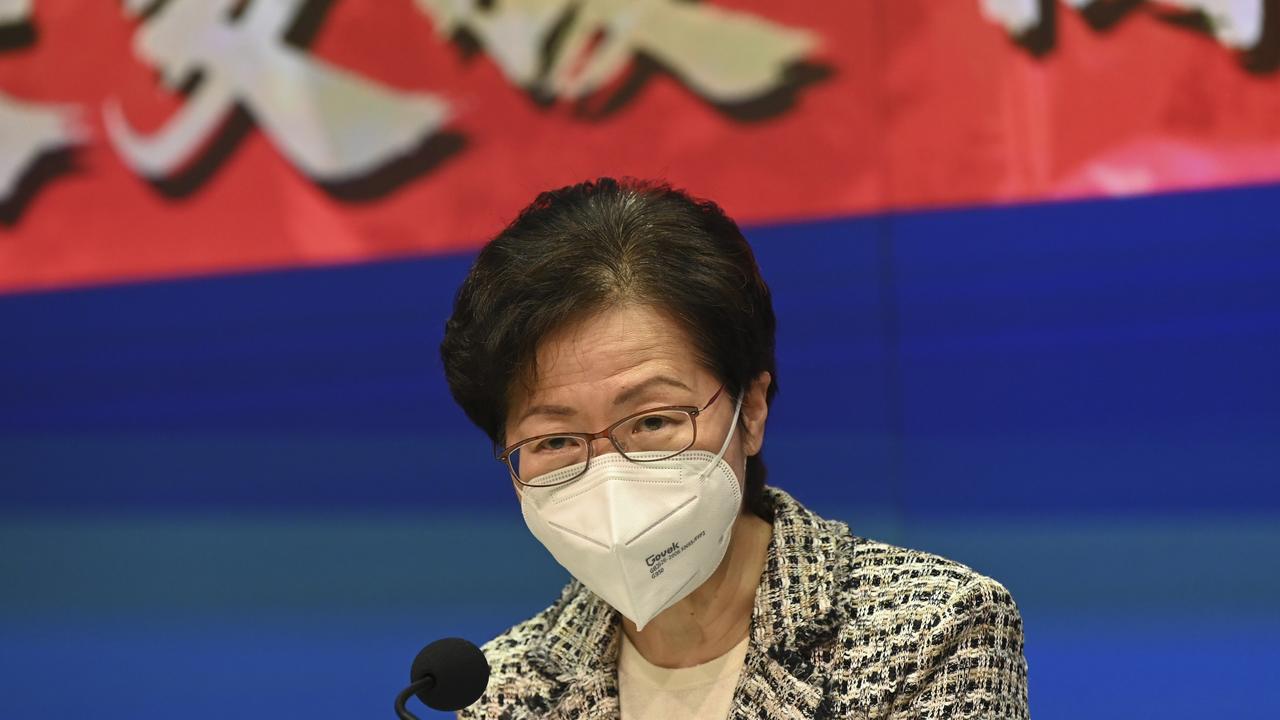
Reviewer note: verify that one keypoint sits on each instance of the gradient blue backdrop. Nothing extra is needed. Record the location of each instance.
(251, 496)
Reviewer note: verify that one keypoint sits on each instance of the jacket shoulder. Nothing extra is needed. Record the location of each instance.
(944, 640)
(888, 584)
(881, 570)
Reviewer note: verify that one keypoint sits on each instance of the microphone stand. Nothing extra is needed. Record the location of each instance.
(425, 683)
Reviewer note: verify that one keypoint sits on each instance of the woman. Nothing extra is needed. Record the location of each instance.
(616, 342)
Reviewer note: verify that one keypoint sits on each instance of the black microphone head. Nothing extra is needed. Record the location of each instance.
(460, 670)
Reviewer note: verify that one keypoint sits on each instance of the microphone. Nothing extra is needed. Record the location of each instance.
(449, 674)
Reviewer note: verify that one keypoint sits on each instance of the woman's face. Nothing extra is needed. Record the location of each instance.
(621, 361)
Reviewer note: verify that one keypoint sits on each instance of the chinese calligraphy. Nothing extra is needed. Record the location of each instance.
(1237, 24)
(14, 12)
(332, 124)
(569, 49)
(30, 130)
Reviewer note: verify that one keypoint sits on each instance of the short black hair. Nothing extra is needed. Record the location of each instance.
(581, 248)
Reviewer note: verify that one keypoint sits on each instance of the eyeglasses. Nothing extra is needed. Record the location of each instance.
(670, 430)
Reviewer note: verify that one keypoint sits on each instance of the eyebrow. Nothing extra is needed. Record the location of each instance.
(623, 397)
(631, 393)
(552, 410)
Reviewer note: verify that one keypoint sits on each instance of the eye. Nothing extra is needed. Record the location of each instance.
(651, 423)
(559, 443)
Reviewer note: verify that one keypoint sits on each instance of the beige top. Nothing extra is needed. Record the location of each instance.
(649, 692)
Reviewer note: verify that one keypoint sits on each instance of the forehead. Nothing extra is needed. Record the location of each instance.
(607, 351)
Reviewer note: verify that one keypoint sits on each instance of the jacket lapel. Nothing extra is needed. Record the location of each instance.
(578, 656)
(768, 689)
(795, 610)
(592, 697)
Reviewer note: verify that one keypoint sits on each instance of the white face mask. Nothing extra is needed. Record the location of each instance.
(643, 535)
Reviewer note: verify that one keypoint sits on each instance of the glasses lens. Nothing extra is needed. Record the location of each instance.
(666, 431)
(534, 460)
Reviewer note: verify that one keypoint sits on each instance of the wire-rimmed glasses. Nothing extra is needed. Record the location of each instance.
(670, 430)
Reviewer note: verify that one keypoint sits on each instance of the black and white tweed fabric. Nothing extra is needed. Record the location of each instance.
(843, 627)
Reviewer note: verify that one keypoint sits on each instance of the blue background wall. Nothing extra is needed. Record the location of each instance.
(251, 496)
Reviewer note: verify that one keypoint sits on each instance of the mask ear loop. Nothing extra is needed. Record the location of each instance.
(733, 427)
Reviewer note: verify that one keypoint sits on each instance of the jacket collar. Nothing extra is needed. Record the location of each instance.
(795, 607)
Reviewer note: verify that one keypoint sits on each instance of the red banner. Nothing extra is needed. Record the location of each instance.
(152, 139)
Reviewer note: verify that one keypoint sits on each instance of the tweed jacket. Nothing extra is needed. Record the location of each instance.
(842, 627)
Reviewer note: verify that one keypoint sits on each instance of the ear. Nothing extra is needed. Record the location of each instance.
(755, 410)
